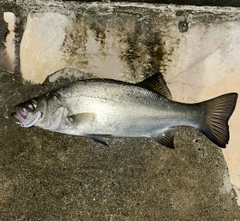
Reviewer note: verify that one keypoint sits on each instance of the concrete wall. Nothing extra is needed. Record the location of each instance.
(196, 48)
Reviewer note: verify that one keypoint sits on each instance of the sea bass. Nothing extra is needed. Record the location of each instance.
(98, 108)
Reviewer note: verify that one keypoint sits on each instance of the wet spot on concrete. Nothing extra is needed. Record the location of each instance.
(5, 78)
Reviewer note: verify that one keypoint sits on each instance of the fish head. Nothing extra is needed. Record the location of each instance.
(29, 112)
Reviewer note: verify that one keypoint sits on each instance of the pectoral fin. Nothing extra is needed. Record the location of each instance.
(82, 118)
(166, 138)
(156, 83)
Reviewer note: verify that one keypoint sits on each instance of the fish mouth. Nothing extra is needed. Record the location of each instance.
(25, 118)
(20, 114)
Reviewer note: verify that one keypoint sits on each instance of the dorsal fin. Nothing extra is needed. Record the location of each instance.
(157, 84)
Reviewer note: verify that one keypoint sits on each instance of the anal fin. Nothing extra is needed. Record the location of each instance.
(166, 138)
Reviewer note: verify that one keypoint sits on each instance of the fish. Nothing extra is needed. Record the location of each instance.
(100, 108)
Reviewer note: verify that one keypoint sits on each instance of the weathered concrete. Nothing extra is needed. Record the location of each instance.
(52, 176)
(7, 50)
(47, 176)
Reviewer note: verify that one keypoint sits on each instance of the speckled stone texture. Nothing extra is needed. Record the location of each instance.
(50, 176)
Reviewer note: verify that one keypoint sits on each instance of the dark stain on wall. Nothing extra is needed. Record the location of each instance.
(3, 32)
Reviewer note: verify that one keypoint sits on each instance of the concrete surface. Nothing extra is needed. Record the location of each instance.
(49, 176)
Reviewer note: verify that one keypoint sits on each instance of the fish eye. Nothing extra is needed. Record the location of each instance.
(31, 105)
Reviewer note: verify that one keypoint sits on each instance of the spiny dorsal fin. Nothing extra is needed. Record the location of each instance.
(166, 138)
(156, 83)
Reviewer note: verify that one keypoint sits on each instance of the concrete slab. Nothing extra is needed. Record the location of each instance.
(49, 176)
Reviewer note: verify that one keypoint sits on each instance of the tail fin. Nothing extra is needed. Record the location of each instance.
(216, 113)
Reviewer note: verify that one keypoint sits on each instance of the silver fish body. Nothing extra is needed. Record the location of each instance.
(100, 107)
